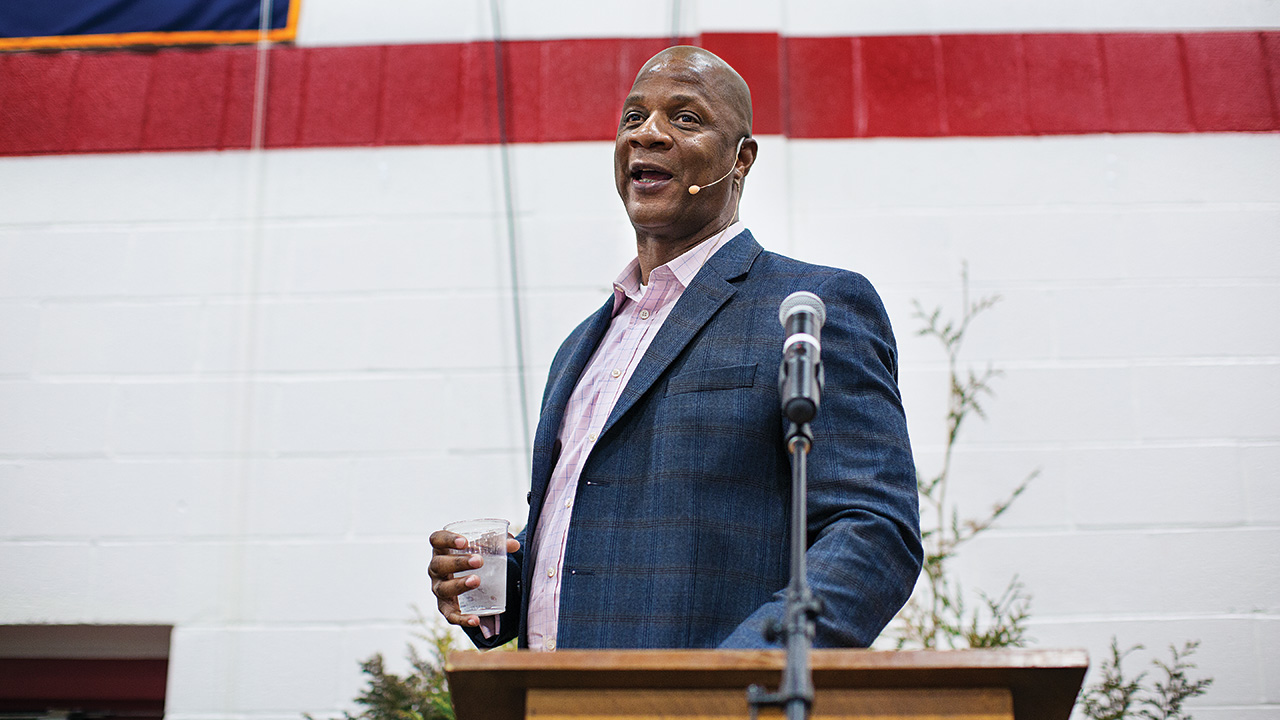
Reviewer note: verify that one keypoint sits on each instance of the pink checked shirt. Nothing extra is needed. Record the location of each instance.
(638, 312)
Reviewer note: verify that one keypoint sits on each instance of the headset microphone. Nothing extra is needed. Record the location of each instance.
(695, 189)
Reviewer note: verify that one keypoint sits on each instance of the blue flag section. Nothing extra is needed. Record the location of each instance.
(79, 23)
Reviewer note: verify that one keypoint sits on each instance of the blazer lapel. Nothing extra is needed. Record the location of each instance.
(710, 289)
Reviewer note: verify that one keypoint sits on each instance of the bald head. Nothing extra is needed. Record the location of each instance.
(705, 67)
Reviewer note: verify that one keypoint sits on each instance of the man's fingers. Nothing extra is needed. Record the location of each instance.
(445, 563)
(444, 541)
(513, 545)
(457, 618)
(449, 590)
(447, 593)
(449, 609)
(442, 566)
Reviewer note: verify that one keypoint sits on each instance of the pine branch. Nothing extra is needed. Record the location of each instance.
(936, 614)
(1112, 696)
(1008, 615)
(1165, 700)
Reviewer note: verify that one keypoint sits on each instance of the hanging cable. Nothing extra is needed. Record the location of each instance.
(504, 153)
(258, 138)
(675, 22)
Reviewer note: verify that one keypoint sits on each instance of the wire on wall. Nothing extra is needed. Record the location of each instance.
(675, 22)
(513, 263)
(260, 76)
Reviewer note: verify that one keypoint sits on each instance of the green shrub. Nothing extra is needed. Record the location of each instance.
(1114, 697)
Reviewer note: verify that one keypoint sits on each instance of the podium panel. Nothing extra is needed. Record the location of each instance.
(712, 684)
(974, 704)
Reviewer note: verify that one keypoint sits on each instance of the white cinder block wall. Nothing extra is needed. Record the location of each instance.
(238, 390)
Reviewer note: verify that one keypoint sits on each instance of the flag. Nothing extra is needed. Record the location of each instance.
(116, 23)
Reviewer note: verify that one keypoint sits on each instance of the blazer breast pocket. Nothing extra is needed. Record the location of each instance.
(721, 378)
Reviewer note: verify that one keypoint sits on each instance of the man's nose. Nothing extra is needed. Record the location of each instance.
(651, 132)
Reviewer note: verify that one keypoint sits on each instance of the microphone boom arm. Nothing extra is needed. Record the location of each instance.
(695, 189)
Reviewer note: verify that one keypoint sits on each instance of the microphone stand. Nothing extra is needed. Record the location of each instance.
(795, 693)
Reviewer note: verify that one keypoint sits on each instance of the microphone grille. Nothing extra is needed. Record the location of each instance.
(800, 299)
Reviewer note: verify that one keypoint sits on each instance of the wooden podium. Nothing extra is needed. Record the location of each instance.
(712, 684)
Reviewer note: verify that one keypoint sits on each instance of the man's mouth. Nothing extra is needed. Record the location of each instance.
(649, 176)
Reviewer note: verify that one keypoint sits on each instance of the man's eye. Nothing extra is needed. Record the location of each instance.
(685, 117)
(632, 117)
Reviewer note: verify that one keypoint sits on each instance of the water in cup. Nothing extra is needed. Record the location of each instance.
(488, 539)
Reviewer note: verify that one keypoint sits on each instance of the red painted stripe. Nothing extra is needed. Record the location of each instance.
(1066, 84)
(1226, 87)
(901, 87)
(1146, 83)
(986, 88)
(570, 90)
(821, 104)
(185, 101)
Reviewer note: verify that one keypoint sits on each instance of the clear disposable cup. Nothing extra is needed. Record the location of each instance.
(487, 538)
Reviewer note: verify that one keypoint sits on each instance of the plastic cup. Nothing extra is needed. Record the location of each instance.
(487, 538)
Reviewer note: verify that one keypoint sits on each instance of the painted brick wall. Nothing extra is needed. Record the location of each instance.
(234, 396)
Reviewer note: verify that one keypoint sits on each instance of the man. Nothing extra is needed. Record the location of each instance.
(659, 505)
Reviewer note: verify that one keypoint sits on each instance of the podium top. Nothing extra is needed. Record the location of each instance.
(1043, 683)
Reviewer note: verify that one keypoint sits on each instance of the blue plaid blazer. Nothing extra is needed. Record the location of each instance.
(679, 535)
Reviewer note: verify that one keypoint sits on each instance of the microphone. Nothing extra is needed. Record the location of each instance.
(695, 189)
(800, 378)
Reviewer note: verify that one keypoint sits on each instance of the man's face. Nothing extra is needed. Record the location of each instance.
(676, 130)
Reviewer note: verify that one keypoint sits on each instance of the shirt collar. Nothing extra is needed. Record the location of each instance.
(683, 268)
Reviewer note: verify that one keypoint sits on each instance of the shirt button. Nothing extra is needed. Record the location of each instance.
(550, 644)
(591, 437)
(568, 504)
(644, 314)
(551, 572)
(617, 372)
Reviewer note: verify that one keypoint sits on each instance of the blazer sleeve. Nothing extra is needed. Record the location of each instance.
(864, 550)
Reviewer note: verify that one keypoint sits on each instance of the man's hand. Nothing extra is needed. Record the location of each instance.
(442, 568)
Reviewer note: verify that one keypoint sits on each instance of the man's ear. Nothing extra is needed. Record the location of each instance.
(746, 157)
